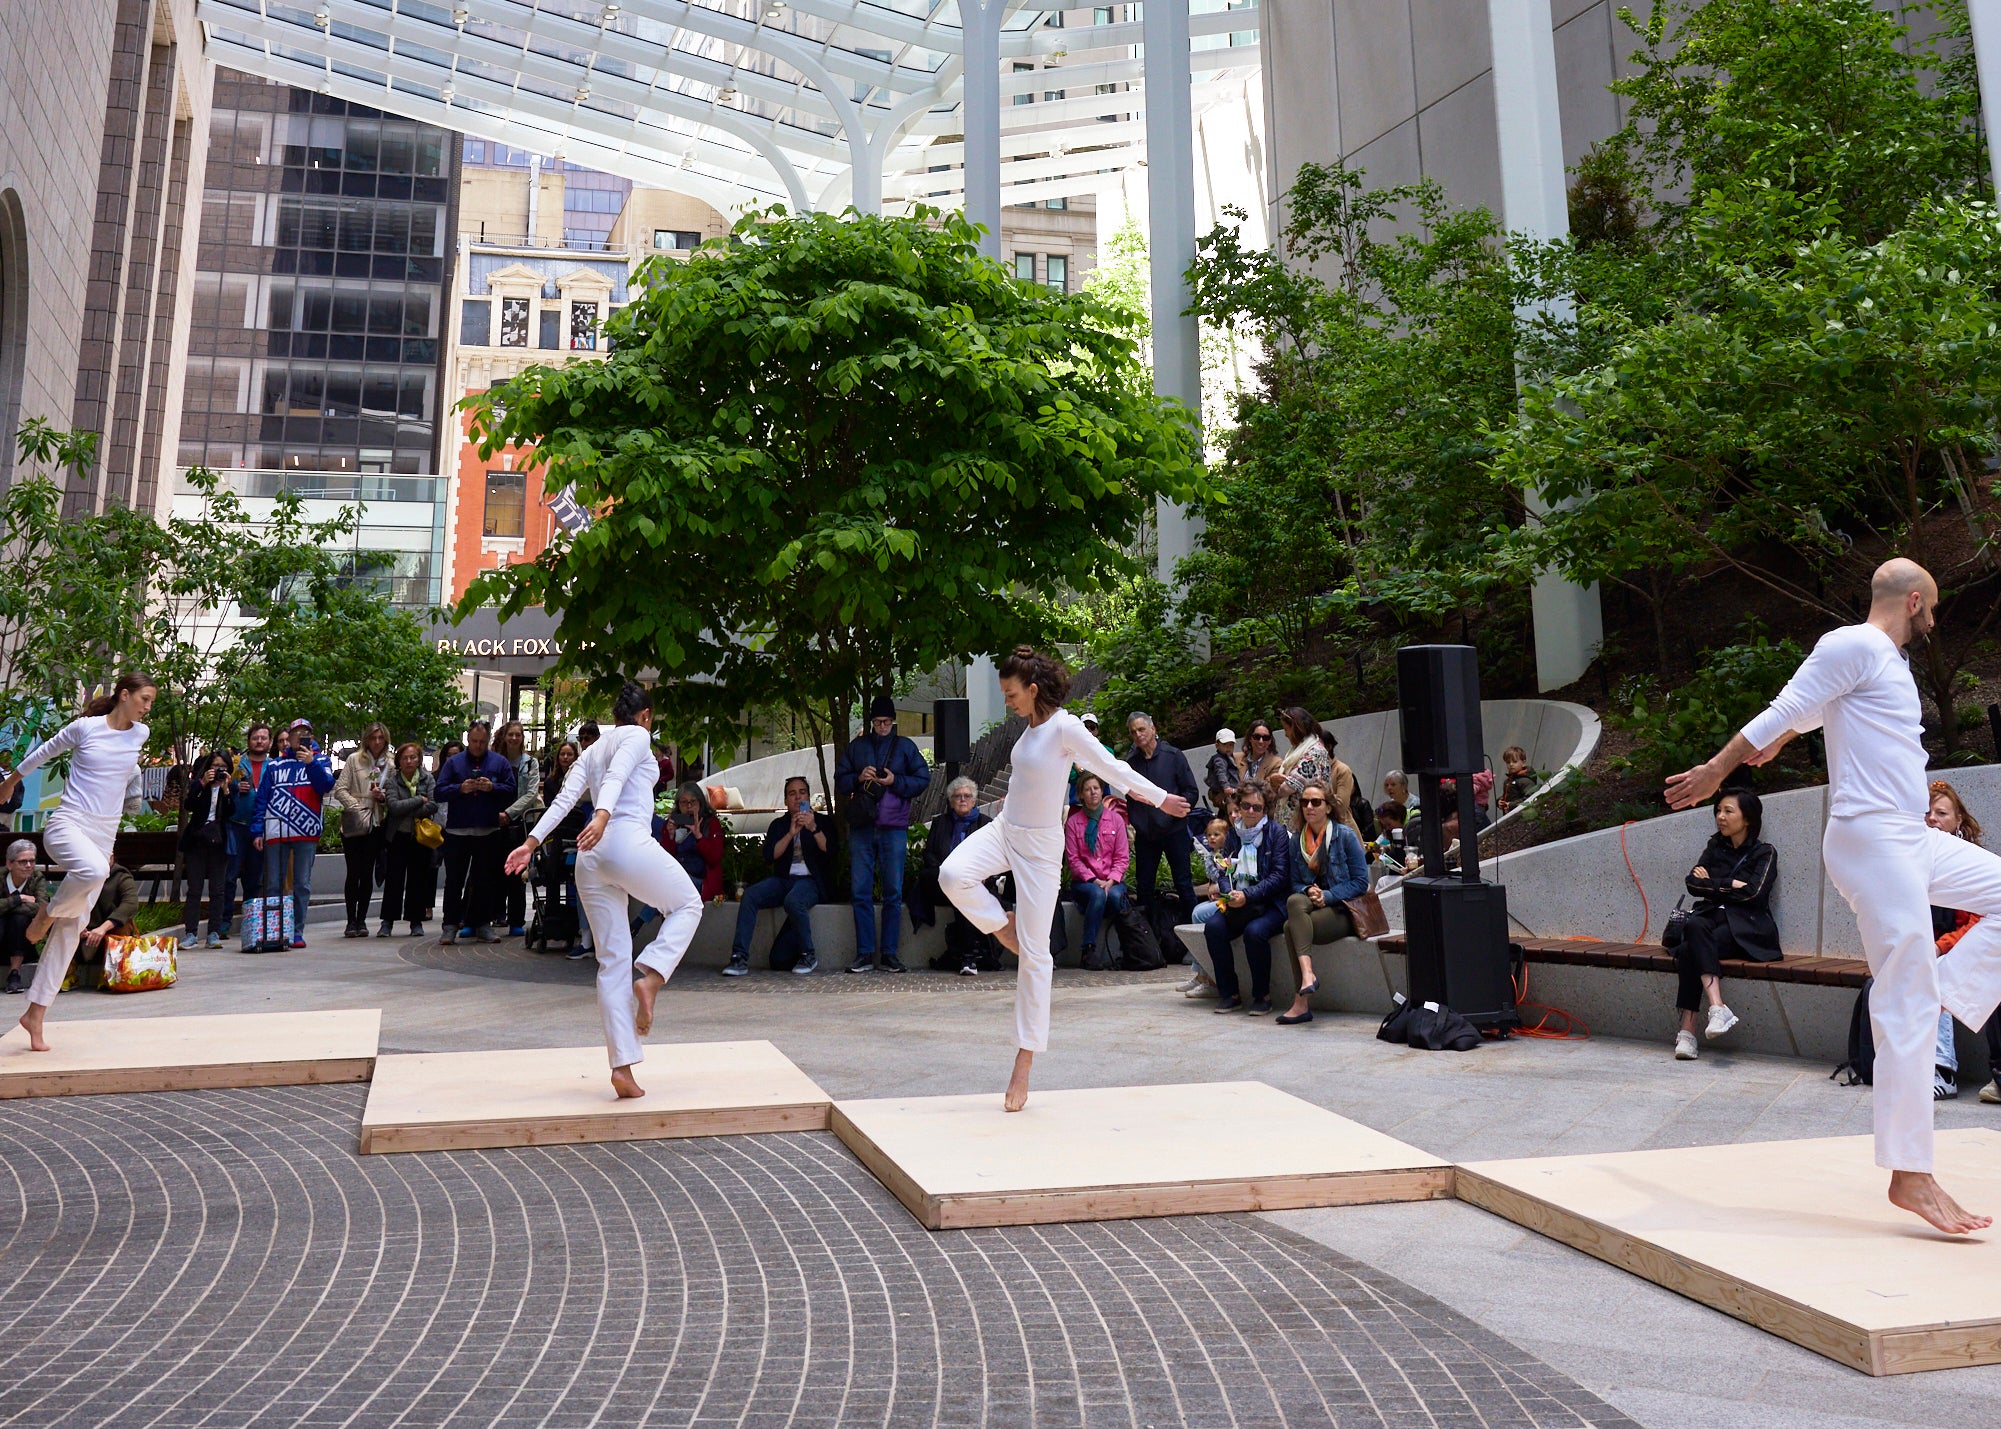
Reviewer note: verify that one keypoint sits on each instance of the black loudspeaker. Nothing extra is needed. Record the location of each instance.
(1438, 687)
(1458, 944)
(951, 731)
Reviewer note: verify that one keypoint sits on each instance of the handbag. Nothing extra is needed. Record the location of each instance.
(1675, 928)
(1366, 912)
(428, 832)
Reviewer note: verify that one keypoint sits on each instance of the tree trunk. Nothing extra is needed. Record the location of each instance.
(1940, 670)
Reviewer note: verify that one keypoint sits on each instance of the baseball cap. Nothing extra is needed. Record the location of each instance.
(1090, 719)
(1226, 736)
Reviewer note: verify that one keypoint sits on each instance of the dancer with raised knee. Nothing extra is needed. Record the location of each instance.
(1891, 867)
(617, 858)
(1027, 839)
(104, 745)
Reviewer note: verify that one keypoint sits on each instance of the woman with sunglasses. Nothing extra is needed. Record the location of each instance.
(1328, 868)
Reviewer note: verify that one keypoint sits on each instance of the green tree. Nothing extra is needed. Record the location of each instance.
(830, 451)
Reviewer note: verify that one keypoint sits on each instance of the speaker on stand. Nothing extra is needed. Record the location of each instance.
(1455, 924)
(951, 735)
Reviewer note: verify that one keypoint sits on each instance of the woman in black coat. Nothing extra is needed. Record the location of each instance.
(208, 803)
(1732, 917)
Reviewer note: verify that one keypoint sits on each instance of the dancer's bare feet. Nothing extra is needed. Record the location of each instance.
(624, 1085)
(646, 989)
(1017, 1085)
(39, 925)
(1921, 1195)
(31, 1023)
(1004, 935)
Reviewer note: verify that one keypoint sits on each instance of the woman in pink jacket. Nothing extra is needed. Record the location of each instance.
(1096, 852)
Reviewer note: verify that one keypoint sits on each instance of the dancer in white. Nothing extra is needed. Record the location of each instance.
(617, 857)
(1027, 839)
(1857, 686)
(104, 747)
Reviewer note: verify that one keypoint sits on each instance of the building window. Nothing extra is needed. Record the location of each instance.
(583, 327)
(1024, 267)
(514, 322)
(676, 238)
(1103, 15)
(552, 329)
(475, 151)
(1059, 203)
(1028, 98)
(1059, 273)
(506, 503)
(475, 322)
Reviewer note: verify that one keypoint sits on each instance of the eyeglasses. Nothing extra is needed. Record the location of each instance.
(1255, 735)
(1311, 803)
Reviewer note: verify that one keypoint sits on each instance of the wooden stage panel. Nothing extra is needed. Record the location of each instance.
(455, 1101)
(1112, 1153)
(1794, 1237)
(171, 1054)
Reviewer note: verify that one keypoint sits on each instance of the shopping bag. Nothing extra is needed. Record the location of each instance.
(144, 963)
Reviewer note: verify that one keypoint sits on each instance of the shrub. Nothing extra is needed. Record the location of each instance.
(1680, 728)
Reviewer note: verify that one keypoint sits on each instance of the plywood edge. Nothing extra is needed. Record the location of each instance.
(1812, 1329)
(210, 1077)
(1930, 1347)
(884, 1168)
(388, 1135)
(963, 1210)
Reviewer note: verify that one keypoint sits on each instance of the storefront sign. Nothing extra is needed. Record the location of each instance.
(519, 647)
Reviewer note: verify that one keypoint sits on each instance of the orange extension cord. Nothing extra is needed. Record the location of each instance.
(1646, 912)
(1572, 1028)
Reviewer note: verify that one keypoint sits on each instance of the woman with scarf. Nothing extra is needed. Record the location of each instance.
(1097, 853)
(410, 880)
(1328, 868)
(1255, 907)
(964, 943)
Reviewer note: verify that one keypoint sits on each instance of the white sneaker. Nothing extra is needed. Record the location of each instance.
(1684, 1046)
(1201, 985)
(1721, 1020)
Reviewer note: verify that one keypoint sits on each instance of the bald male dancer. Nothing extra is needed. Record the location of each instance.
(1857, 686)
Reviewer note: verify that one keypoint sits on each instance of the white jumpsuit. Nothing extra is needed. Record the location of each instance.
(81, 832)
(1891, 868)
(619, 772)
(1027, 839)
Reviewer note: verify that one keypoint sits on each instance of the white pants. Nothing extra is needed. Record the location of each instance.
(628, 863)
(83, 848)
(1892, 869)
(1035, 857)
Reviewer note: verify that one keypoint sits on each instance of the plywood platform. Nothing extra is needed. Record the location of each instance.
(1116, 1152)
(168, 1054)
(1794, 1237)
(450, 1101)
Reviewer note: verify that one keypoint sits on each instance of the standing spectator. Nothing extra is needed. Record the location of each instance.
(880, 776)
(22, 895)
(1732, 882)
(11, 805)
(1310, 758)
(518, 817)
(1157, 835)
(587, 735)
(694, 835)
(1948, 814)
(559, 767)
(476, 785)
(1096, 853)
(1261, 760)
(1328, 868)
(289, 816)
(962, 816)
(1255, 907)
(1226, 768)
(409, 880)
(800, 848)
(1090, 723)
(205, 847)
(359, 797)
(246, 854)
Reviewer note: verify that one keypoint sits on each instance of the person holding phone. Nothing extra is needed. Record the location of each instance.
(288, 818)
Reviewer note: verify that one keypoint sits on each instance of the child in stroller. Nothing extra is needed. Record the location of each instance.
(557, 923)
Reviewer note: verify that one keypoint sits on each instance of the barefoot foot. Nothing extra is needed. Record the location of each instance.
(31, 1023)
(1922, 1196)
(1017, 1085)
(624, 1085)
(646, 989)
(1006, 938)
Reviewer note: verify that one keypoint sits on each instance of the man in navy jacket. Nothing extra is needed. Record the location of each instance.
(879, 778)
(1257, 907)
(476, 784)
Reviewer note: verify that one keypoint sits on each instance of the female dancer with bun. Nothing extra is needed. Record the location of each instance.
(1027, 839)
(618, 858)
(104, 745)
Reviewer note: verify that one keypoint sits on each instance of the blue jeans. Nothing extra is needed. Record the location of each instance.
(296, 858)
(795, 895)
(871, 852)
(1096, 902)
(1206, 911)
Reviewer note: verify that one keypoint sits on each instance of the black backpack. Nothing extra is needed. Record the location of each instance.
(1861, 1063)
(1364, 812)
(1139, 948)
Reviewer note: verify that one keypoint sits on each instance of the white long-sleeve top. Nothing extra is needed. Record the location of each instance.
(1857, 687)
(618, 772)
(102, 763)
(1038, 788)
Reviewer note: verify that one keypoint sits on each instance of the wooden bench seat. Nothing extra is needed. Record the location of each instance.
(1652, 957)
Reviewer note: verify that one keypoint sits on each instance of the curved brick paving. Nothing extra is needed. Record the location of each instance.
(225, 1259)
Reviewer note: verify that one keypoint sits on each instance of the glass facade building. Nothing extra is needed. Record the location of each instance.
(315, 356)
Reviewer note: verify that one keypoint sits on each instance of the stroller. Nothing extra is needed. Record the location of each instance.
(557, 922)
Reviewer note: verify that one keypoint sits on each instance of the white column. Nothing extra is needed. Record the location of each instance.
(1986, 17)
(1170, 238)
(1569, 620)
(979, 109)
(984, 706)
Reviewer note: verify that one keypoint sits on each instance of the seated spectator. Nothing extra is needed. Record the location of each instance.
(1396, 787)
(1392, 839)
(694, 835)
(1732, 918)
(1948, 814)
(1328, 868)
(1483, 796)
(800, 847)
(1218, 871)
(1255, 907)
(110, 916)
(1096, 854)
(965, 945)
(1519, 781)
(25, 891)
(1226, 767)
